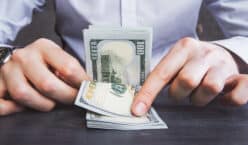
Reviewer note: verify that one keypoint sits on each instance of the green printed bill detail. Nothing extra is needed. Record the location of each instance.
(113, 63)
(109, 107)
(118, 61)
(108, 99)
(118, 56)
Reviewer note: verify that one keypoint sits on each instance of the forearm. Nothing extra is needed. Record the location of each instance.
(14, 15)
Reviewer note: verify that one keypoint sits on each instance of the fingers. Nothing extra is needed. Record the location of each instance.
(237, 96)
(162, 74)
(188, 79)
(31, 82)
(46, 82)
(211, 86)
(21, 91)
(8, 107)
(199, 68)
(66, 65)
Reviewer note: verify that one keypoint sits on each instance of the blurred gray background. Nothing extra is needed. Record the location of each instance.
(44, 22)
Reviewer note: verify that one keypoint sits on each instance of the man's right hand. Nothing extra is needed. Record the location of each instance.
(38, 76)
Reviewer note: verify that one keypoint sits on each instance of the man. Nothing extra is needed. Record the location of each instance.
(42, 74)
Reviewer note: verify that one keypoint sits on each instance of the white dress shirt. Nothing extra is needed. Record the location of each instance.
(170, 20)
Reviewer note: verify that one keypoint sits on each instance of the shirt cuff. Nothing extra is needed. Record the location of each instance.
(237, 45)
(5, 45)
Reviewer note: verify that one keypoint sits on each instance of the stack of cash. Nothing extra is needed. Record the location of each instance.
(109, 104)
(118, 60)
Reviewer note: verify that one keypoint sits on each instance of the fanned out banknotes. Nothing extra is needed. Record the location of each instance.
(109, 107)
(118, 60)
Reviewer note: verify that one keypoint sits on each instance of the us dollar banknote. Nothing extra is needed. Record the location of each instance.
(118, 60)
(111, 99)
(109, 106)
(118, 55)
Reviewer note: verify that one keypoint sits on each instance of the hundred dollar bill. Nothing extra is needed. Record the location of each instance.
(118, 55)
(150, 121)
(110, 107)
(110, 99)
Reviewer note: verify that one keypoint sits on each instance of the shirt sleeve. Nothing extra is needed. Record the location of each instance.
(14, 15)
(232, 17)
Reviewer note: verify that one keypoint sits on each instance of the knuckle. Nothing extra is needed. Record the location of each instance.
(20, 93)
(71, 68)
(42, 41)
(187, 81)
(19, 55)
(24, 56)
(223, 62)
(188, 42)
(218, 61)
(47, 86)
(208, 53)
(212, 87)
(160, 75)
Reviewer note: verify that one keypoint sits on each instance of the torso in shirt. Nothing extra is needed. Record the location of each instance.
(170, 20)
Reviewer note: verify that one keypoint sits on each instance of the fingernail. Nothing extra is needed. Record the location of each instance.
(140, 109)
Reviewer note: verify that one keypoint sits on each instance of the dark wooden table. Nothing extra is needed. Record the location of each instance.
(188, 125)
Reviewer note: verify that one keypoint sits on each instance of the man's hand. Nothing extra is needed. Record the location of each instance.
(194, 68)
(236, 90)
(38, 76)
